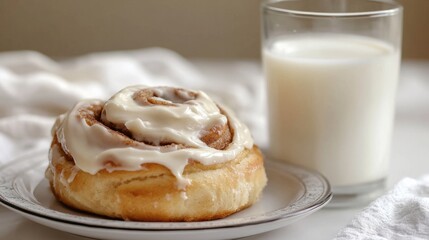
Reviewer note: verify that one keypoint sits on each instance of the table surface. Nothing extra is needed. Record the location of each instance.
(409, 156)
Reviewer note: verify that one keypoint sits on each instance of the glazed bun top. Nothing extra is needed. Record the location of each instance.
(139, 124)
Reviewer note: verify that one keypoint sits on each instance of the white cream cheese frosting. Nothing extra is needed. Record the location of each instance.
(95, 147)
(180, 123)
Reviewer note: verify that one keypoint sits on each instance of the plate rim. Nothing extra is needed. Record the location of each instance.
(236, 232)
(295, 209)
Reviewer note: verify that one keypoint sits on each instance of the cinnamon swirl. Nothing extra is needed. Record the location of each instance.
(154, 154)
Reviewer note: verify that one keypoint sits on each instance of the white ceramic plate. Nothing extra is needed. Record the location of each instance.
(291, 193)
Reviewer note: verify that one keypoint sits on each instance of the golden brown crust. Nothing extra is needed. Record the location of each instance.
(151, 194)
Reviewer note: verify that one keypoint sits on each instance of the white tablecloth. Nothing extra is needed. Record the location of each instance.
(409, 157)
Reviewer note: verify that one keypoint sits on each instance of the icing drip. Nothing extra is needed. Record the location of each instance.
(183, 119)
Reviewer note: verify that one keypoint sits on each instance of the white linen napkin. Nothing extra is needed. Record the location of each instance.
(403, 213)
(35, 89)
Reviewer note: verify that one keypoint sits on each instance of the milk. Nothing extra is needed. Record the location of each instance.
(331, 104)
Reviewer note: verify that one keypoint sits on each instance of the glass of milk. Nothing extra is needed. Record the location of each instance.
(331, 69)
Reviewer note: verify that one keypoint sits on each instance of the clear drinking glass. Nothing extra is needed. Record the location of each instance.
(331, 69)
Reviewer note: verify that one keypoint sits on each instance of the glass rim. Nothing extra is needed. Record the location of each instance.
(394, 9)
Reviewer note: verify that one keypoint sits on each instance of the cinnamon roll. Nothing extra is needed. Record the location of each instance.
(154, 154)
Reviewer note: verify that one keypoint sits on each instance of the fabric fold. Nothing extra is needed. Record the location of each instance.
(403, 213)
